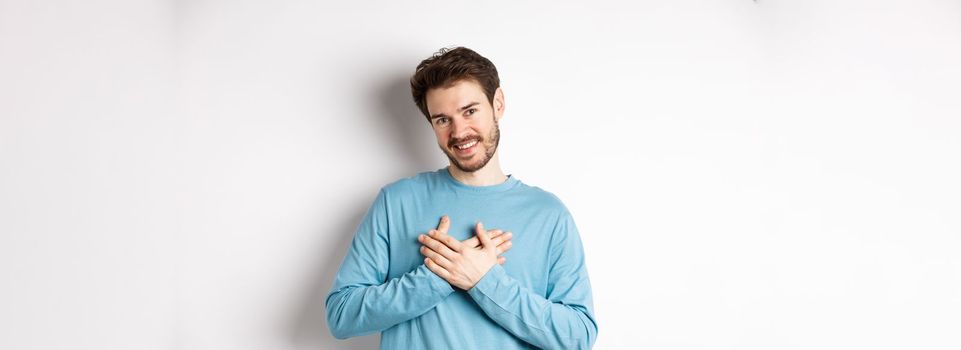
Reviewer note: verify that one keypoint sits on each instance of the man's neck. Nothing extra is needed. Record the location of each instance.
(490, 174)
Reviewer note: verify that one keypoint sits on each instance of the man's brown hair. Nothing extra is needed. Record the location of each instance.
(449, 66)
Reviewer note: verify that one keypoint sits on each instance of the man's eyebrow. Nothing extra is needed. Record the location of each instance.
(469, 105)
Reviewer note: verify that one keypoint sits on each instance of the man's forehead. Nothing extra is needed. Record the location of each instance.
(455, 95)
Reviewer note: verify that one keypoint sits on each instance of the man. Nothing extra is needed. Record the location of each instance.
(447, 288)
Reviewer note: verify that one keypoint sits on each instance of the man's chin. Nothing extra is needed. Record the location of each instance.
(475, 162)
(468, 168)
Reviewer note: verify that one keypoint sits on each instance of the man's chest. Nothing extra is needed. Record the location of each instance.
(531, 226)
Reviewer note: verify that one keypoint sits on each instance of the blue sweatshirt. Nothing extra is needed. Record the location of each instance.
(540, 298)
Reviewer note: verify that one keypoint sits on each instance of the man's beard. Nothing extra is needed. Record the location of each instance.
(490, 146)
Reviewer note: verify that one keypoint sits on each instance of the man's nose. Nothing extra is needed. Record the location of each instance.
(460, 129)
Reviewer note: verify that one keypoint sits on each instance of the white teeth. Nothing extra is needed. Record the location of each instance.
(467, 145)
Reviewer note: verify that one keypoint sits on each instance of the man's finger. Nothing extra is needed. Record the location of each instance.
(437, 246)
(501, 260)
(436, 269)
(474, 243)
(499, 238)
(436, 257)
(444, 224)
(447, 240)
(482, 235)
(503, 247)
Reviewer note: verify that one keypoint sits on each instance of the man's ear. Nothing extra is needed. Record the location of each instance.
(498, 103)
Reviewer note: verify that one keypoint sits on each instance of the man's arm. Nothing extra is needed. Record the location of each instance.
(562, 320)
(362, 301)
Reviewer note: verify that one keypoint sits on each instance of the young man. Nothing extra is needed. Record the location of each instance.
(447, 288)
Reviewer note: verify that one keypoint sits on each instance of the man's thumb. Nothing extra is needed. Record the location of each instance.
(482, 234)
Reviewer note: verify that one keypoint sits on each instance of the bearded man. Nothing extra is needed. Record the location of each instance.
(459, 285)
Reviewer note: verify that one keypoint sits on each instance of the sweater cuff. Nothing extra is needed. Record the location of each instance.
(437, 283)
(489, 283)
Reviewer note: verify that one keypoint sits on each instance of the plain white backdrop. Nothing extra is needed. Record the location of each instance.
(745, 175)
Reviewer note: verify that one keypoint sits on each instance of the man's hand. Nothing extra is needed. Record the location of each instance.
(459, 263)
(500, 238)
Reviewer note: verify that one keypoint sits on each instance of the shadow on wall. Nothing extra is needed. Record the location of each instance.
(405, 128)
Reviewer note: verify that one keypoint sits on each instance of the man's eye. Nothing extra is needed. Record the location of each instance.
(471, 111)
(441, 120)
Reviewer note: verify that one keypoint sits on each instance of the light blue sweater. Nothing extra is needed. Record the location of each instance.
(540, 298)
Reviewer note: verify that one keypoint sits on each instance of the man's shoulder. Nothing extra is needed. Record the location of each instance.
(417, 182)
(541, 198)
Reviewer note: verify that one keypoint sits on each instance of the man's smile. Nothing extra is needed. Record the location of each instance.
(467, 145)
(467, 148)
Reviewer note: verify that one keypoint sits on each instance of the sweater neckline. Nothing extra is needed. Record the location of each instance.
(508, 184)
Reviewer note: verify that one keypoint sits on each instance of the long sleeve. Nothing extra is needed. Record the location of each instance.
(362, 301)
(562, 320)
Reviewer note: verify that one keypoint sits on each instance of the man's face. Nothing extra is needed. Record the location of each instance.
(465, 123)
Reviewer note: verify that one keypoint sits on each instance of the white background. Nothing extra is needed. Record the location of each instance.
(745, 175)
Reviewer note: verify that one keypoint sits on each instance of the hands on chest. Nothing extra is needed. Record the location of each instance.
(463, 263)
